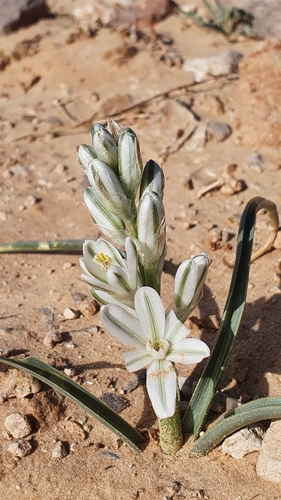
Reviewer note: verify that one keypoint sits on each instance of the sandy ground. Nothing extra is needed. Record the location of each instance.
(44, 95)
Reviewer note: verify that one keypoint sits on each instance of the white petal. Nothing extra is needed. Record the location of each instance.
(137, 359)
(161, 381)
(122, 325)
(151, 313)
(185, 283)
(119, 279)
(87, 262)
(92, 281)
(188, 351)
(174, 329)
(132, 262)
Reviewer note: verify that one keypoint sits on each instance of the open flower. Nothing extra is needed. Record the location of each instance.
(159, 341)
(107, 270)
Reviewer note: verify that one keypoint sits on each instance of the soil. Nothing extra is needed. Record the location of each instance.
(59, 78)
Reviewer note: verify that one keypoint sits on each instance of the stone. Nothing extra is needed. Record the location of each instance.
(114, 401)
(76, 431)
(17, 425)
(51, 339)
(269, 460)
(19, 384)
(71, 313)
(16, 14)
(20, 448)
(243, 442)
(222, 64)
(59, 450)
(218, 131)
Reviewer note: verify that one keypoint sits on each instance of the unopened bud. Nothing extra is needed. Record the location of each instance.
(129, 162)
(152, 179)
(104, 145)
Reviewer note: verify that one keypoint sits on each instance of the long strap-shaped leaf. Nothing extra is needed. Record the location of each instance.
(203, 395)
(67, 387)
(254, 411)
(42, 246)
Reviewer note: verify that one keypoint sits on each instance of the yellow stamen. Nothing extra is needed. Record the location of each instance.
(103, 261)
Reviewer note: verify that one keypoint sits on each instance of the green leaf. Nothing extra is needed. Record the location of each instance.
(73, 391)
(254, 411)
(205, 390)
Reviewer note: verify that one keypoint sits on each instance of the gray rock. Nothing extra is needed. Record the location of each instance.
(114, 401)
(243, 442)
(59, 450)
(269, 460)
(218, 131)
(221, 64)
(17, 425)
(15, 14)
(20, 448)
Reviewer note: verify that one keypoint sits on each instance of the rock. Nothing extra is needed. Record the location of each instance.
(243, 442)
(30, 201)
(221, 64)
(76, 431)
(20, 448)
(15, 14)
(114, 401)
(17, 425)
(71, 313)
(59, 450)
(269, 460)
(19, 384)
(218, 131)
(89, 309)
(52, 338)
(16, 170)
(47, 407)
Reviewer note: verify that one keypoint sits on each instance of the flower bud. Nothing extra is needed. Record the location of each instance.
(108, 188)
(114, 129)
(129, 162)
(152, 179)
(104, 145)
(86, 154)
(111, 225)
(189, 281)
(151, 231)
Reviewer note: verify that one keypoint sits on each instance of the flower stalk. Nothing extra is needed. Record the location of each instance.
(171, 437)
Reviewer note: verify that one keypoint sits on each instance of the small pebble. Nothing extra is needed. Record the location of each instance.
(76, 431)
(17, 425)
(69, 372)
(30, 201)
(61, 168)
(243, 442)
(66, 265)
(70, 345)
(218, 131)
(89, 309)
(71, 313)
(16, 170)
(78, 297)
(59, 450)
(52, 338)
(3, 216)
(20, 448)
(114, 401)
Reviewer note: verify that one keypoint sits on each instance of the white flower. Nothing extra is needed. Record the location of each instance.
(107, 270)
(159, 341)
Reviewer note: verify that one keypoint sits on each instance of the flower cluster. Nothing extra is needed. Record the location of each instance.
(125, 200)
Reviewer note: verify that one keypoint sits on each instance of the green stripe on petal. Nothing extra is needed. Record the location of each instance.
(122, 325)
(151, 313)
(137, 359)
(161, 381)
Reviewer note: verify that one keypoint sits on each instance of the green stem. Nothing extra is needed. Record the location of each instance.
(42, 246)
(232, 421)
(171, 437)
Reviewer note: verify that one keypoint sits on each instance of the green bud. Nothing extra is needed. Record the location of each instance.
(104, 145)
(85, 155)
(129, 162)
(152, 179)
(108, 188)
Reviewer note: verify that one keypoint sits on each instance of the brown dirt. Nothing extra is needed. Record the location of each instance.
(45, 91)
